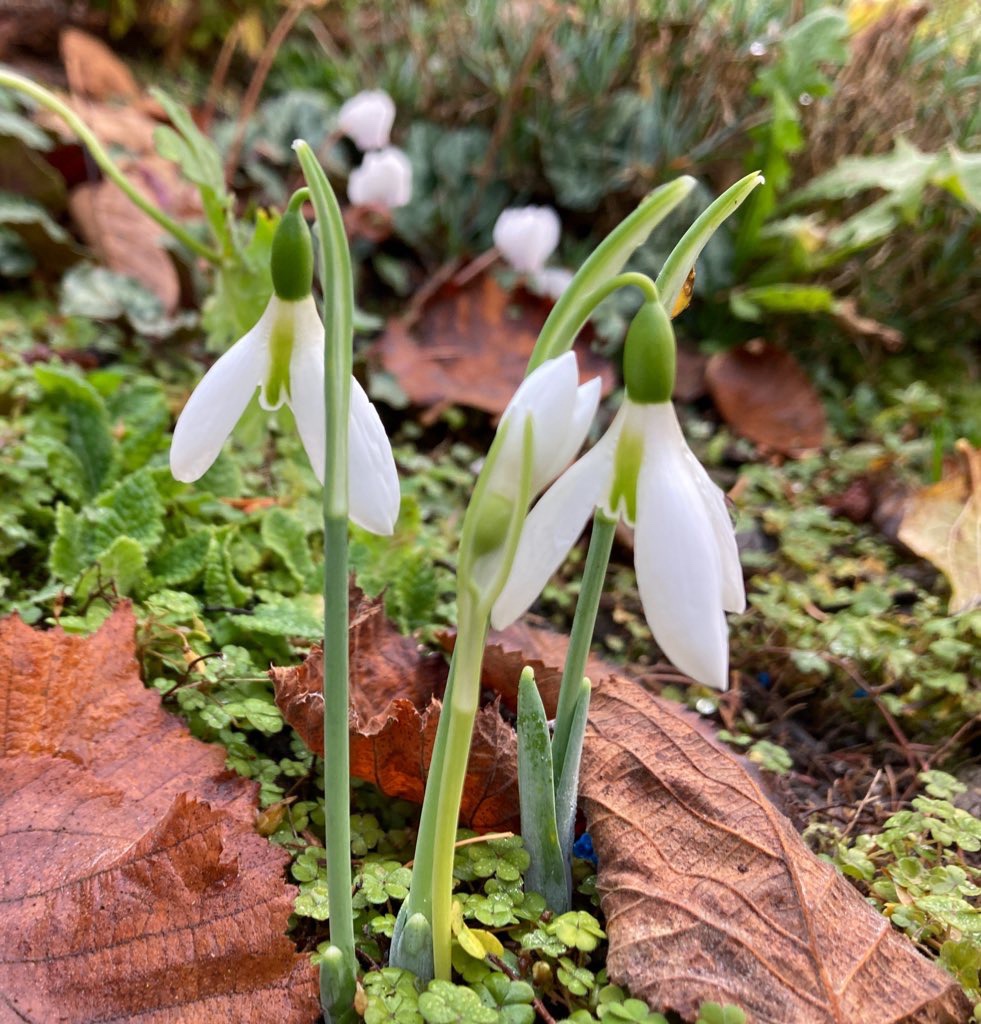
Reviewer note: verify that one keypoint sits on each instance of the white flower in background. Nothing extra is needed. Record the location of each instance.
(688, 570)
(560, 411)
(283, 356)
(526, 236)
(383, 179)
(551, 282)
(367, 119)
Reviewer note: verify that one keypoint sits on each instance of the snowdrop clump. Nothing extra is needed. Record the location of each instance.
(384, 177)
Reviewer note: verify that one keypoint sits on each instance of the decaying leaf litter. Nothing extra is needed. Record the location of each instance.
(220, 591)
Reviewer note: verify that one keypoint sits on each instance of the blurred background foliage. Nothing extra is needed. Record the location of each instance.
(864, 115)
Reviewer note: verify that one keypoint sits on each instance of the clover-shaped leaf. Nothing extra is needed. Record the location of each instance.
(494, 910)
(379, 881)
(446, 1003)
(365, 833)
(540, 940)
(578, 980)
(717, 1013)
(504, 858)
(615, 1006)
(392, 997)
(312, 900)
(578, 930)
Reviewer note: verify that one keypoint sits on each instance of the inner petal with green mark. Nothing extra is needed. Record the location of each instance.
(276, 387)
(626, 471)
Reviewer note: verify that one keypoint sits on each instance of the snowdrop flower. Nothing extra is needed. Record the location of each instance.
(283, 357)
(552, 282)
(643, 472)
(560, 411)
(367, 119)
(383, 179)
(526, 236)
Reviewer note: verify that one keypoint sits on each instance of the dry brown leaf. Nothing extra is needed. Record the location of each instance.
(134, 886)
(93, 70)
(942, 523)
(126, 127)
(764, 395)
(470, 346)
(709, 893)
(124, 238)
(394, 717)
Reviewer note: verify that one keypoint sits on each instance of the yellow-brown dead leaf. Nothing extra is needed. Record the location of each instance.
(942, 524)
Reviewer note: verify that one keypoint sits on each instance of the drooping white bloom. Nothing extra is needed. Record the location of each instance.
(560, 411)
(383, 179)
(687, 564)
(526, 236)
(552, 282)
(283, 356)
(367, 119)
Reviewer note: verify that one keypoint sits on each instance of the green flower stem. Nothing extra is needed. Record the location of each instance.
(460, 711)
(37, 92)
(606, 261)
(338, 974)
(583, 624)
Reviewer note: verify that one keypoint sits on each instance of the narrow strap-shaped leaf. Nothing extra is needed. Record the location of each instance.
(548, 873)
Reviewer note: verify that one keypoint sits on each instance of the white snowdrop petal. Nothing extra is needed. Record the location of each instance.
(526, 236)
(307, 382)
(547, 395)
(367, 118)
(678, 564)
(568, 443)
(373, 480)
(219, 400)
(550, 530)
(383, 179)
(733, 589)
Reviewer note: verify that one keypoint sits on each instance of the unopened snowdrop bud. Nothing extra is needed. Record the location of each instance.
(367, 119)
(526, 236)
(649, 355)
(383, 179)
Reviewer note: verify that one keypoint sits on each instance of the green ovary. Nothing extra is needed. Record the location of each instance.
(491, 528)
(276, 387)
(626, 471)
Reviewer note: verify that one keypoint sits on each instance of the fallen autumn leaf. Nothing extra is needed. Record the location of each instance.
(134, 887)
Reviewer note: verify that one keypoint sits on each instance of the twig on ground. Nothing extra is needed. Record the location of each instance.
(251, 100)
(514, 976)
